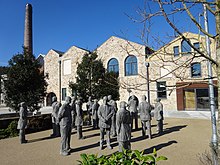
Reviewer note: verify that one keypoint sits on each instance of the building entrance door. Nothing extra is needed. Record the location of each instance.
(196, 99)
(190, 101)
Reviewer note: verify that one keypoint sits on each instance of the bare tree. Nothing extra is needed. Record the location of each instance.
(172, 10)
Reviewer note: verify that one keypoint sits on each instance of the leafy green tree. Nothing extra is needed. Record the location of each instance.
(93, 80)
(3, 70)
(25, 82)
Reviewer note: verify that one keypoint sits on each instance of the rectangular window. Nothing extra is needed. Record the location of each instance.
(176, 51)
(63, 94)
(161, 89)
(66, 67)
(196, 70)
(196, 45)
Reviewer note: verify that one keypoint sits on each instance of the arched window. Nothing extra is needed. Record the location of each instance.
(113, 65)
(196, 70)
(131, 66)
(185, 47)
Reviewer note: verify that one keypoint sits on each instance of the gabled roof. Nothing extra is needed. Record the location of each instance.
(58, 52)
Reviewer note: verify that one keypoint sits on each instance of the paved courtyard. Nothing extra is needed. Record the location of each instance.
(183, 141)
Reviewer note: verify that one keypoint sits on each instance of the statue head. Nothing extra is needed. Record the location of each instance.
(123, 104)
(54, 98)
(105, 99)
(158, 100)
(132, 97)
(109, 97)
(143, 97)
(96, 101)
(68, 99)
(22, 104)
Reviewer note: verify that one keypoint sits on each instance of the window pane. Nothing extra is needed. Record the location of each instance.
(131, 66)
(185, 47)
(196, 70)
(161, 90)
(113, 65)
(63, 93)
(66, 67)
(176, 51)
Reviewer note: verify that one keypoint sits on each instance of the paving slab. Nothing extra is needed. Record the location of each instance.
(182, 142)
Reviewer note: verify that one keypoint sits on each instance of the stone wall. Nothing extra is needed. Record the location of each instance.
(120, 49)
(179, 67)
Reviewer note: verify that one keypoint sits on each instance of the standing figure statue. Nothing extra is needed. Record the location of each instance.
(65, 119)
(95, 118)
(73, 106)
(123, 121)
(114, 105)
(132, 105)
(144, 110)
(89, 108)
(55, 122)
(22, 122)
(105, 113)
(158, 114)
(79, 118)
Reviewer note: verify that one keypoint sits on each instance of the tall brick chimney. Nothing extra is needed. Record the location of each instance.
(28, 30)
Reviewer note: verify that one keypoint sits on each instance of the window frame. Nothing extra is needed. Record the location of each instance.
(131, 65)
(174, 53)
(158, 91)
(200, 69)
(185, 45)
(114, 66)
(64, 94)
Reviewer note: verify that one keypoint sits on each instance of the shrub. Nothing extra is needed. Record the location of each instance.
(127, 157)
(10, 131)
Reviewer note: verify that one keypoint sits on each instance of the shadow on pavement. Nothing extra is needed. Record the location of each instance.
(93, 135)
(159, 146)
(169, 130)
(85, 147)
(40, 139)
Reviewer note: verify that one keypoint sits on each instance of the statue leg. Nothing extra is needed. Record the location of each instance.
(113, 127)
(132, 118)
(58, 130)
(102, 138)
(63, 130)
(22, 136)
(160, 126)
(69, 136)
(149, 129)
(120, 146)
(143, 123)
(108, 131)
(136, 120)
(73, 121)
(129, 145)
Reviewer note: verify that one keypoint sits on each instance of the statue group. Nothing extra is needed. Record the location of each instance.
(107, 117)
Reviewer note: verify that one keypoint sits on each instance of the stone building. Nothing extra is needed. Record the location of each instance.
(118, 55)
(179, 74)
(175, 73)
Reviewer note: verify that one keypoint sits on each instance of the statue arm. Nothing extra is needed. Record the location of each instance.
(118, 123)
(61, 113)
(100, 115)
(110, 114)
(22, 113)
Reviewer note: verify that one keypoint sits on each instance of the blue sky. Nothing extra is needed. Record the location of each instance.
(84, 23)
